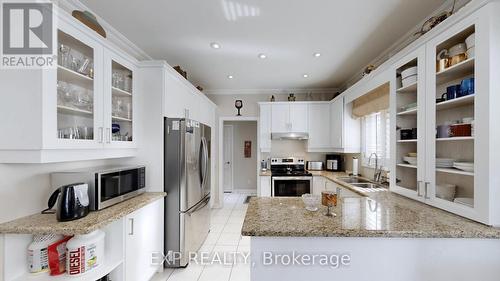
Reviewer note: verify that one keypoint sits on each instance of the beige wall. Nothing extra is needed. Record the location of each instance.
(225, 102)
(244, 169)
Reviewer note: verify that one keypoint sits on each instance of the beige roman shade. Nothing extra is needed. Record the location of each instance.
(374, 101)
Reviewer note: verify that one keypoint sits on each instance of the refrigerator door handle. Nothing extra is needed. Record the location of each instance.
(205, 170)
(200, 206)
(201, 163)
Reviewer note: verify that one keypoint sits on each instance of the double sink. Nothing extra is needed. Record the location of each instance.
(361, 183)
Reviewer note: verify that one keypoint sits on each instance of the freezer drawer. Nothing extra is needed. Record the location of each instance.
(195, 225)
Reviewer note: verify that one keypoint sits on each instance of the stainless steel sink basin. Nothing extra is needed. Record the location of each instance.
(352, 180)
(367, 185)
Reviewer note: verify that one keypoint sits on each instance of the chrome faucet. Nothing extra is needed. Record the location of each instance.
(378, 170)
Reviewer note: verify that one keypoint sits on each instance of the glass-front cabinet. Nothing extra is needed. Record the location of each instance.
(78, 92)
(444, 133)
(455, 89)
(120, 98)
(408, 106)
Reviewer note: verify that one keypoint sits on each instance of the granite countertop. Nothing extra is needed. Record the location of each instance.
(47, 223)
(377, 214)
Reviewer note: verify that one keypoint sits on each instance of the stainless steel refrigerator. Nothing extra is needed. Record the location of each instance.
(187, 183)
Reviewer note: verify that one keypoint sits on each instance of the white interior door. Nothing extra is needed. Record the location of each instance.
(228, 158)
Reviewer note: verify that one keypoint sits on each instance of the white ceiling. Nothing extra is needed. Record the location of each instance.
(348, 34)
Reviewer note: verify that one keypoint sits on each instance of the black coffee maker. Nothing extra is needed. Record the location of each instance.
(334, 163)
(72, 202)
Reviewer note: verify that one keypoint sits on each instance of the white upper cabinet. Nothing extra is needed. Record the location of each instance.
(183, 100)
(289, 117)
(456, 148)
(337, 123)
(319, 131)
(298, 118)
(280, 119)
(265, 128)
(67, 113)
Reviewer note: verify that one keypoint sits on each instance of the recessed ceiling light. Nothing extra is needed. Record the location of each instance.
(215, 45)
(262, 56)
(317, 55)
(230, 77)
(305, 75)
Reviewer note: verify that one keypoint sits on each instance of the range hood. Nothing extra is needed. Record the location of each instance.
(290, 136)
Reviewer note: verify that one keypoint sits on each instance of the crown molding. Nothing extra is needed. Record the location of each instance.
(270, 91)
(112, 35)
(405, 40)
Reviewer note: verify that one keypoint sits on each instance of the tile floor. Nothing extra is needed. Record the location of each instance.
(224, 237)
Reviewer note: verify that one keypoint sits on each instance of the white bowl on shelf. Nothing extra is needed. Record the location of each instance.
(471, 52)
(471, 41)
(410, 71)
(464, 166)
(409, 80)
(444, 162)
(446, 191)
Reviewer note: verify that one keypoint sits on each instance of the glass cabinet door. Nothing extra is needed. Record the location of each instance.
(409, 111)
(76, 99)
(453, 114)
(122, 101)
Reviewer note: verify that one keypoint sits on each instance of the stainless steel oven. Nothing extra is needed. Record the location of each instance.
(291, 186)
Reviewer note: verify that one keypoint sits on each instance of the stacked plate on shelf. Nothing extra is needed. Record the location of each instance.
(410, 160)
(464, 166)
(409, 76)
(444, 162)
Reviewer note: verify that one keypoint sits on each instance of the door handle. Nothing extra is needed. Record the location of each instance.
(131, 232)
(418, 188)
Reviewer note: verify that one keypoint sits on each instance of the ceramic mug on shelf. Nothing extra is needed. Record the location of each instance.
(453, 92)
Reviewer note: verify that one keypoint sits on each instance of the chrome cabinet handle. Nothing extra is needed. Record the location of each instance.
(108, 135)
(131, 226)
(418, 188)
(101, 137)
(425, 196)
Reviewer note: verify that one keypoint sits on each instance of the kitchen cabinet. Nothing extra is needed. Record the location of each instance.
(265, 128)
(143, 237)
(65, 113)
(422, 180)
(345, 130)
(183, 100)
(319, 131)
(289, 117)
(265, 186)
(319, 185)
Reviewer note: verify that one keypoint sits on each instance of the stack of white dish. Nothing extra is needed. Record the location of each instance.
(446, 191)
(409, 76)
(471, 45)
(410, 160)
(444, 162)
(464, 166)
(469, 202)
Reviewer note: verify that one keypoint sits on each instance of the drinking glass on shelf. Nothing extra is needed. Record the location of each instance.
(64, 55)
(127, 83)
(128, 110)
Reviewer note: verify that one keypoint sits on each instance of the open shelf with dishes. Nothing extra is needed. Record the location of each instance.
(454, 118)
(406, 123)
(121, 103)
(75, 89)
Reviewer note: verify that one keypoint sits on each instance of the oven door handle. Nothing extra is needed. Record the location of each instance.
(292, 178)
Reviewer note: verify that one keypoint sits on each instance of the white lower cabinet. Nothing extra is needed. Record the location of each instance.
(318, 185)
(265, 186)
(143, 237)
